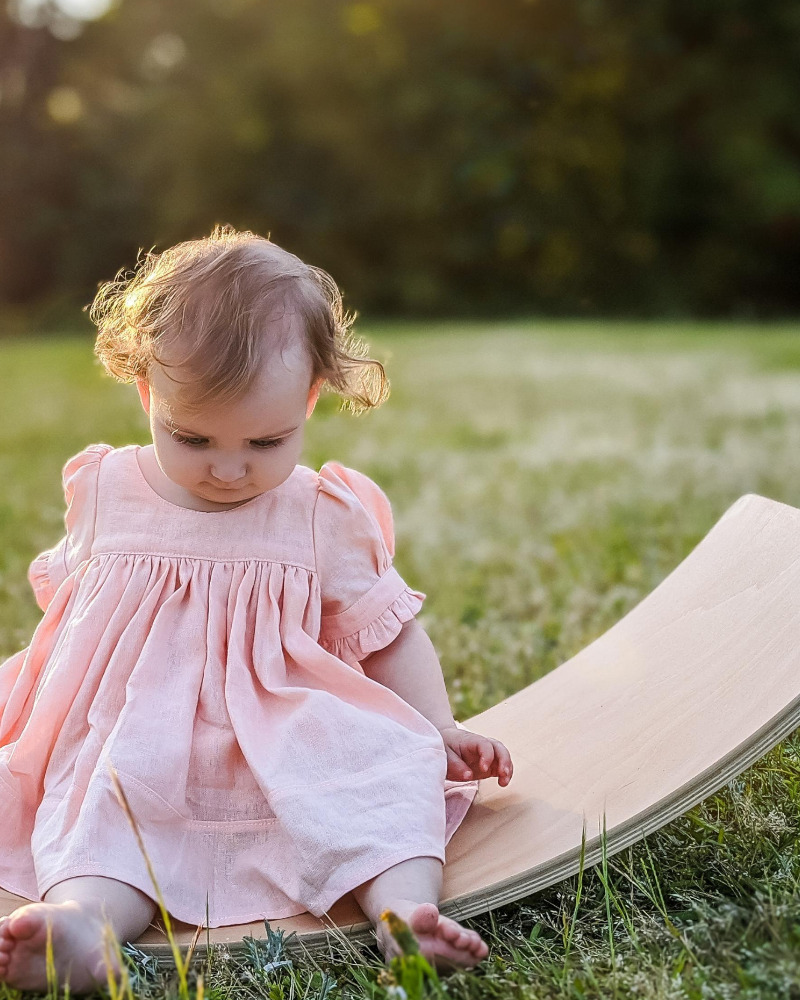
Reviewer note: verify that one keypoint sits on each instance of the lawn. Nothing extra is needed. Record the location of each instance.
(544, 477)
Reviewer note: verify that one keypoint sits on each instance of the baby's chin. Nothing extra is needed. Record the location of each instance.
(218, 495)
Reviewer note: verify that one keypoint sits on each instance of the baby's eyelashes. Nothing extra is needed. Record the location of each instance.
(199, 442)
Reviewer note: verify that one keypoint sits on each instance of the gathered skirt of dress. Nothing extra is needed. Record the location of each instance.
(267, 776)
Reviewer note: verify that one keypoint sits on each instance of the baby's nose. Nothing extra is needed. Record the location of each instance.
(228, 474)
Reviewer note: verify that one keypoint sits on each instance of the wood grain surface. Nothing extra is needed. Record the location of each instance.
(691, 687)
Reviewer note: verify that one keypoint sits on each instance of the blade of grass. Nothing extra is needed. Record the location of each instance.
(116, 990)
(49, 963)
(208, 938)
(604, 880)
(338, 934)
(180, 965)
(193, 945)
(651, 889)
(571, 931)
(619, 906)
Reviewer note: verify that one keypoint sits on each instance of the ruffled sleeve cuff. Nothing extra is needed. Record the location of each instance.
(39, 579)
(50, 568)
(385, 608)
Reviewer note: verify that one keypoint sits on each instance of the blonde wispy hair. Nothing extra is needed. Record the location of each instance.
(214, 299)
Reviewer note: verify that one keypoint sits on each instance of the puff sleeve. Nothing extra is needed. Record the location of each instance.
(364, 599)
(79, 478)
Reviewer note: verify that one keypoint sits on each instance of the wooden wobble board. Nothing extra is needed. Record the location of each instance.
(691, 687)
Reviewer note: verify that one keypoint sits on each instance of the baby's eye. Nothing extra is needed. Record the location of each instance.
(196, 442)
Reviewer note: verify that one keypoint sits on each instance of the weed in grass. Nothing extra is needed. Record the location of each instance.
(409, 974)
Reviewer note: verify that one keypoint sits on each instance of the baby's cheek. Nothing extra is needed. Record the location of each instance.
(175, 464)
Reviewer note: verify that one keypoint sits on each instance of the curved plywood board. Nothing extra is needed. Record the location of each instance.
(687, 690)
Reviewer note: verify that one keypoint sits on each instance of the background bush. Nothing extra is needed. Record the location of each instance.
(458, 157)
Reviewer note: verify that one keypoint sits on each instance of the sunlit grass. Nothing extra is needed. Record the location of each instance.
(543, 480)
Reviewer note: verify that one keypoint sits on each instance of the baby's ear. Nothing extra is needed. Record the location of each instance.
(143, 387)
(313, 396)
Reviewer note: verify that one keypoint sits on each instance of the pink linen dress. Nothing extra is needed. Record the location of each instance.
(213, 657)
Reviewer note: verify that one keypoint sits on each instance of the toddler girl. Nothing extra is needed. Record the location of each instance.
(226, 627)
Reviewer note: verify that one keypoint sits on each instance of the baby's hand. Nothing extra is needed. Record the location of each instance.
(472, 756)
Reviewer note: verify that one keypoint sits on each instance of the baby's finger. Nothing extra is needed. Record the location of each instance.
(457, 770)
(503, 768)
(480, 756)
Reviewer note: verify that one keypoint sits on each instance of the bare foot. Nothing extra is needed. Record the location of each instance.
(77, 937)
(443, 941)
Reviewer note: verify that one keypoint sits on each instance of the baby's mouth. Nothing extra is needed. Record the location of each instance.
(227, 489)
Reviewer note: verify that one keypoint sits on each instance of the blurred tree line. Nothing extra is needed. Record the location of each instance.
(453, 157)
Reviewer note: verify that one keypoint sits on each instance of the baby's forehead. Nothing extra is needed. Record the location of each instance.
(280, 384)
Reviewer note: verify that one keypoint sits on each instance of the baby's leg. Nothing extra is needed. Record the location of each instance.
(75, 909)
(412, 890)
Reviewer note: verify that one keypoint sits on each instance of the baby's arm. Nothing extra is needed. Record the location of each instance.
(410, 667)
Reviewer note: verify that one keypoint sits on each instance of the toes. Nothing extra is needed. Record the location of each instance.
(444, 940)
(449, 931)
(471, 942)
(424, 919)
(446, 957)
(478, 947)
(452, 931)
(459, 939)
(24, 925)
(462, 939)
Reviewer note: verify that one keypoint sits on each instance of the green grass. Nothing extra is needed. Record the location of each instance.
(544, 478)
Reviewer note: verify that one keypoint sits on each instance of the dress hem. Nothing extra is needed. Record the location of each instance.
(332, 896)
(149, 892)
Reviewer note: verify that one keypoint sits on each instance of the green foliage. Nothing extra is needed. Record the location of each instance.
(410, 976)
(461, 157)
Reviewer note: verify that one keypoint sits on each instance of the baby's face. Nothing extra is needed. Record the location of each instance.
(231, 453)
